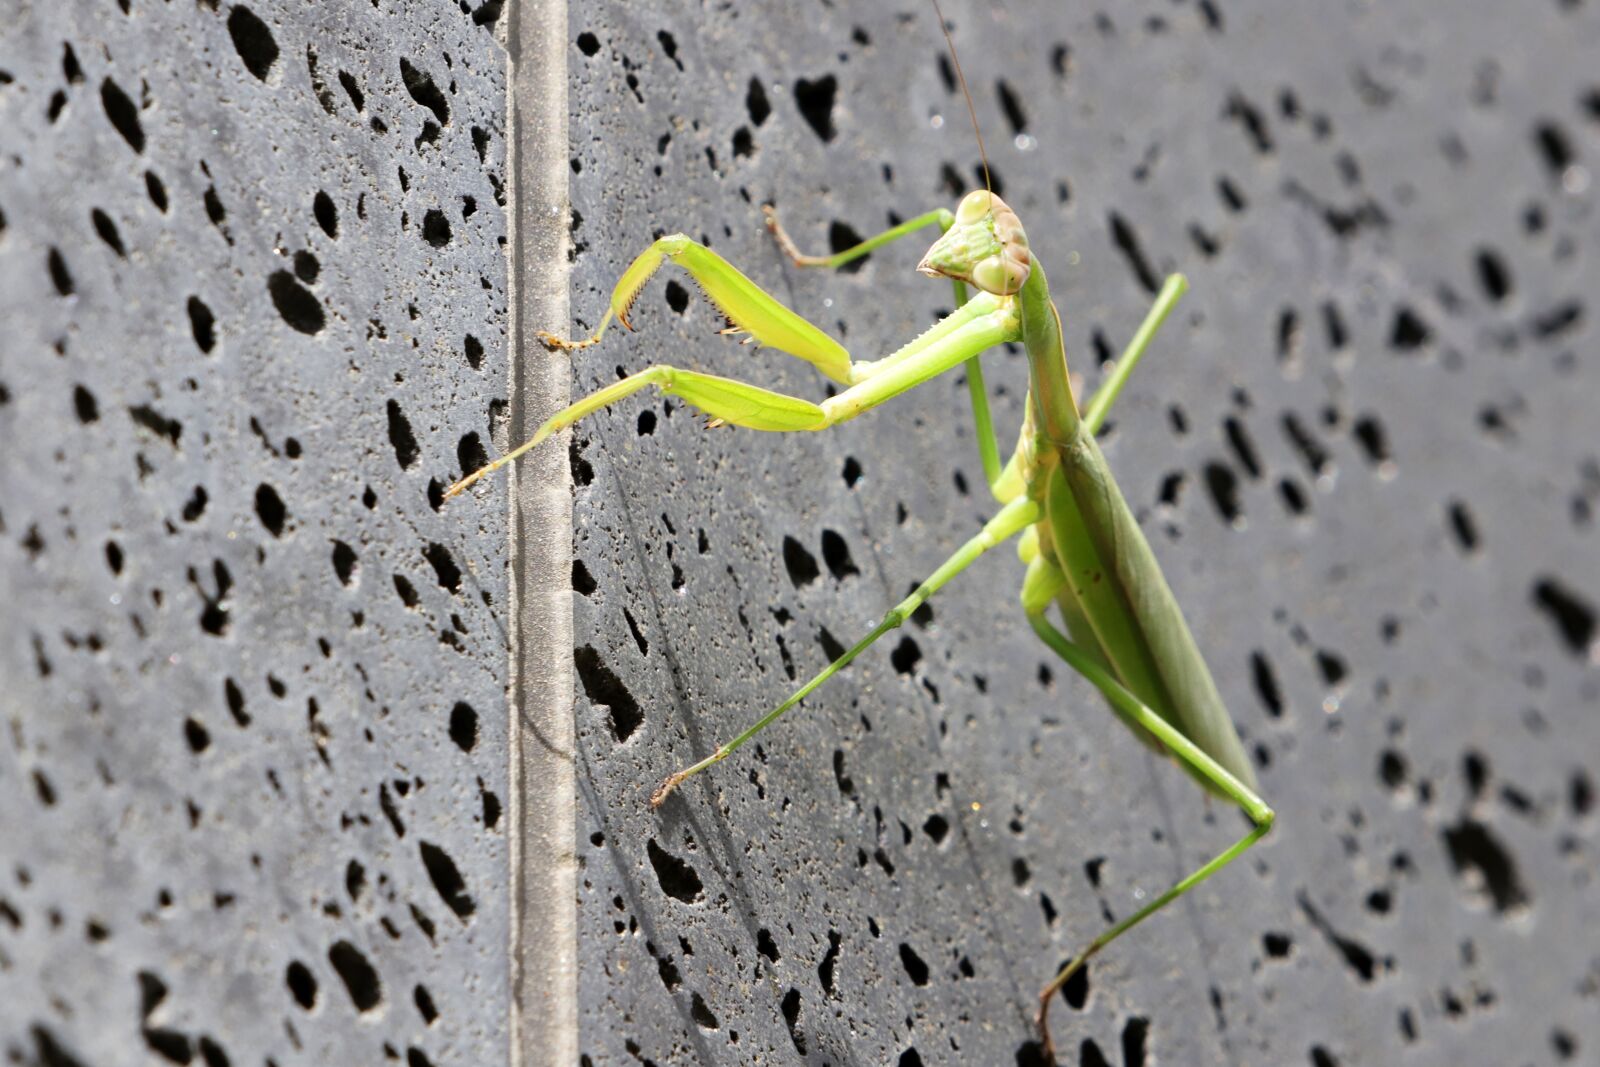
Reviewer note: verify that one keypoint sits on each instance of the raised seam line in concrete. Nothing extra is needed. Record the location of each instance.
(543, 857)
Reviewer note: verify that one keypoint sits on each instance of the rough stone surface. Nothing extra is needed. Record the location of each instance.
(252, 781)
(1362, 449)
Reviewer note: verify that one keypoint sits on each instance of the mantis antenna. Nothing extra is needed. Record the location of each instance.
(971, 111)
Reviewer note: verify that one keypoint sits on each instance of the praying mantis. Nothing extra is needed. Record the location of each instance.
(1085, 555)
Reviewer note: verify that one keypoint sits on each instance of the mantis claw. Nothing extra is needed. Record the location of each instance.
(1041, 1020)
(664, 790)
(559, 344)
(785, 243)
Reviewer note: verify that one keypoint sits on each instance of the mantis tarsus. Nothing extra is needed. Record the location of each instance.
(1084, 550)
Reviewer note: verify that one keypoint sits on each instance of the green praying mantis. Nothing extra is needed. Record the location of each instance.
(1085, 554)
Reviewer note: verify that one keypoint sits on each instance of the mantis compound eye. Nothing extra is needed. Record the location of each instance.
(974, 206)
(1001, 275)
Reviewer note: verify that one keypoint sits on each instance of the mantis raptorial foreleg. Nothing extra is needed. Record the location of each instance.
(977, 325)
(1132, 711)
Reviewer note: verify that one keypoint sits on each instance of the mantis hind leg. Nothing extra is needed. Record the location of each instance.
(1010, 520)
(1133, 712)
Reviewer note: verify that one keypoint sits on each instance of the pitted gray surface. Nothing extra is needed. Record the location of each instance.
(1363, 449)
(253, 785)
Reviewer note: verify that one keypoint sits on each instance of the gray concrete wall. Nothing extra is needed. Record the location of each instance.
(253, 787)
(1364, 451)
(255, 799)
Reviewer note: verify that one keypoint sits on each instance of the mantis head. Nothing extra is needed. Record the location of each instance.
(985, 247)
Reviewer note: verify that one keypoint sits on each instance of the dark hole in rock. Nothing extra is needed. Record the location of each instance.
(234, 697)
(842, 236)
(151, 419)
(253, 41)
(1356, 956)
(407, 591)
(1553, 147)
(1127, 243)
(836, 554)
(1572, 615)
(755, 102)
(1409, 332)
(470, 454)
(766, 945)
(123, 114)
(702, 1014)
(677, 878)
(916, 969)
(791, 1016)
(299, 308)
(404, 441)
(108, 232)
(1223, 486)
(1011, 105)
(157, 192)
(85, 405)
(168, 1044)
(306, 266)
(60, 276)
(464, 726)
(1476, 853)
(444, 566)
(1493, 274)
(436, 228)
(420, 85)
(270, 509)
(583, 582)
(602, 686)
(344, 562)
(326, 214)
(203, 324)
(359, 976)
(1135, 1041)
(197, 735)
(669, 45)
(1266, 684)
(905, 657)
(815, 100)
(801, 564)
(447, 879)
(424, 1002)
(302, 986)
(1462, 526)
(1076, 990)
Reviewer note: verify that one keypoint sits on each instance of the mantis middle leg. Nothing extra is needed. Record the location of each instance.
(1012, 518)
